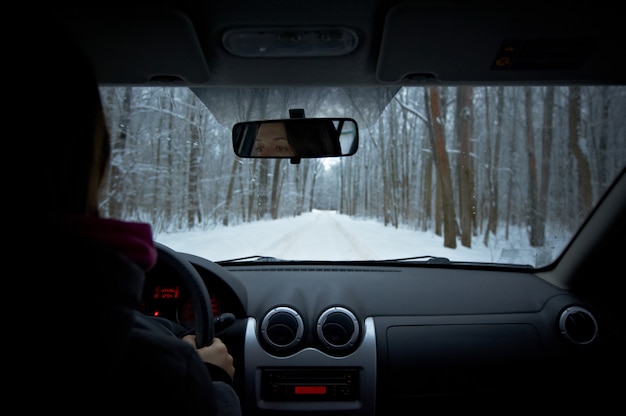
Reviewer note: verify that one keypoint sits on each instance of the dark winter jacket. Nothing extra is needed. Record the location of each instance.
(110, 357)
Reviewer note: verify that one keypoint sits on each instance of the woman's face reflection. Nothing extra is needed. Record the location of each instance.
(271, 140)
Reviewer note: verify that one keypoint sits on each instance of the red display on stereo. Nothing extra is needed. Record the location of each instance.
(310, 384)
(309, 390)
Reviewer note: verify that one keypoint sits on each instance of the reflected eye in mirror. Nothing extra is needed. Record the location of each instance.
(299, 137)
(271, 140)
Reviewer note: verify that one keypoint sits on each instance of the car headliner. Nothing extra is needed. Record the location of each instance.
(399, 42)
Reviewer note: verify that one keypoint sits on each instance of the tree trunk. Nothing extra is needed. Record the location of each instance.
(442, 164)
(276, 186)
(194, 215)
(467, 197)
(493, 167)
(584, 171)
(536, 234)
(547, 134)
(229, 192)
(262, 190)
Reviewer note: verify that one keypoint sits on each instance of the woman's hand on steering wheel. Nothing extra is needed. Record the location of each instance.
(216, 354)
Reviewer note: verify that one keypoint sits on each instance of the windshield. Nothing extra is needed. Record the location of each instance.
(473, 174)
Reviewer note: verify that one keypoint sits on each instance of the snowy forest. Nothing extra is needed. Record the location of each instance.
(459, 161)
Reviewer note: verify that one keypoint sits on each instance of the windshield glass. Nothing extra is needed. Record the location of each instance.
(474, 174)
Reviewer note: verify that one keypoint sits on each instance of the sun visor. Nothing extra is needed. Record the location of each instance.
(127, 45)
(453, 42)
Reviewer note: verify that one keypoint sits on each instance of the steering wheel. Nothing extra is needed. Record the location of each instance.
(200, 299)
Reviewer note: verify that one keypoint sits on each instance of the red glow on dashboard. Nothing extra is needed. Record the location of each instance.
(310, 389)
(166, 292)
(216, 305)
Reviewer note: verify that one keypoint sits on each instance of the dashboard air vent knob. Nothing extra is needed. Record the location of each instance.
(578, 325)
(282, 327)
(338, 328)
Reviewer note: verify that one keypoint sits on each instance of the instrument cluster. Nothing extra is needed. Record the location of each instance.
(168, 298)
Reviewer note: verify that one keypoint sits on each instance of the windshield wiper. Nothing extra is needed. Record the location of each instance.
(261, 259)
(445, 260)
(254, 258)
(429, 259)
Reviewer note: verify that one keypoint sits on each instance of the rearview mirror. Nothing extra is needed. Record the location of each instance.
(296, 138)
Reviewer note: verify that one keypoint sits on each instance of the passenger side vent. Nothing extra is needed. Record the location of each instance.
(578, 325)
(338, 328)
(282, 328)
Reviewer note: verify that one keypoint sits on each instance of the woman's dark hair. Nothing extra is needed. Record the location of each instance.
(313, 137)
(68, 141)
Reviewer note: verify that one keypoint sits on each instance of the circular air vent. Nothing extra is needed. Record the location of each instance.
(338, 328)
(282, 327)
(578, 325)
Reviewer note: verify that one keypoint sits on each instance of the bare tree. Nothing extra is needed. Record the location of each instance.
(443, 168)
(547, 135)
(277, 181)
(119, 142)
(584, 172)
(465, 169)
(493, 163)
(229, 192)
(536, 232)
(194, 214)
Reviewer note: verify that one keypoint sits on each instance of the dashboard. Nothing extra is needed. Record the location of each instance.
(356, 338)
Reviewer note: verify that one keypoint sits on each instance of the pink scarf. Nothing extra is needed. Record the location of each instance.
(133, 239)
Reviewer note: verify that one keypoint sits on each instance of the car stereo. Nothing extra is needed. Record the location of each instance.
(310, 384)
